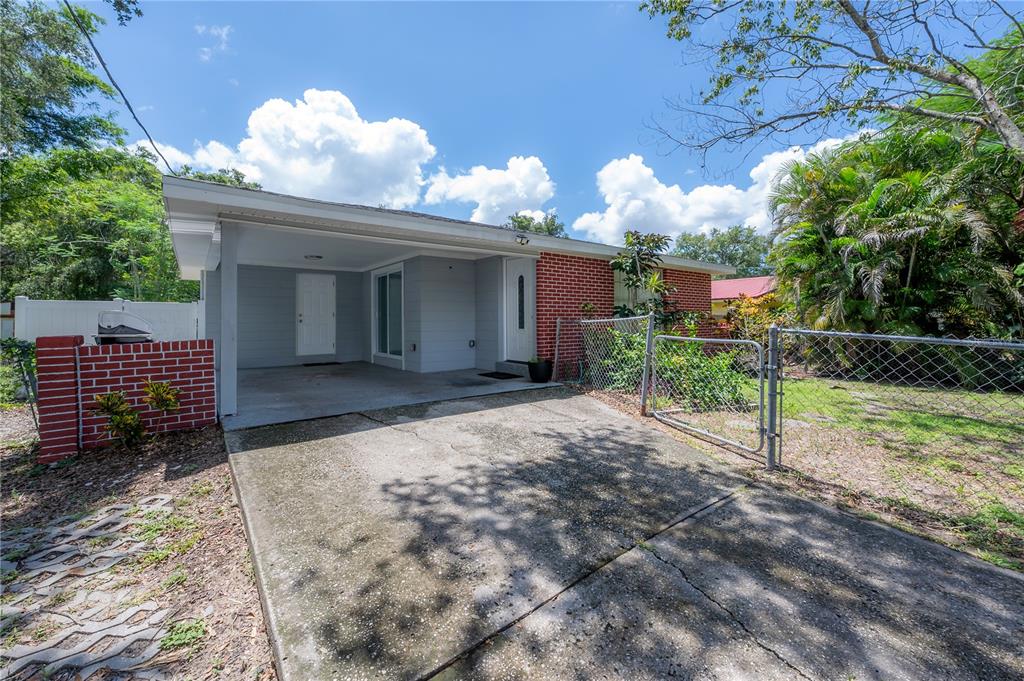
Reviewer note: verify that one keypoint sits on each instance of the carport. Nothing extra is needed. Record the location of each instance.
(284, 394)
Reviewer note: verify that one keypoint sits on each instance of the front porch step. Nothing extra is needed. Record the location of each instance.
(517, 368)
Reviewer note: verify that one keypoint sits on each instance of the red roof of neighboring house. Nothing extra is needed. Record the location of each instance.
(752, 287)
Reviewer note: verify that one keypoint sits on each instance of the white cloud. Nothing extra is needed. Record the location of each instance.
(636, 199)
(176, 157)
(320, 147)
(521, 187)
(220, 36)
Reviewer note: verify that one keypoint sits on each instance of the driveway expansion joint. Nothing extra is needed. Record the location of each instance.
(693, 514)
(729, 613)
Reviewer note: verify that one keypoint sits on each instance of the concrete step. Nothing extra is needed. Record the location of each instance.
(518, 368)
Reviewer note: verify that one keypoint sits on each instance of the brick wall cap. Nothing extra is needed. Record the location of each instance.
(59, 341)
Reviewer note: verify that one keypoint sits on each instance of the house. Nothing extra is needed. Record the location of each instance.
(294, 282)
(726, 291)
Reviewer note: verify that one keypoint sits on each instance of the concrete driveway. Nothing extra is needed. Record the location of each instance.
(543, 535)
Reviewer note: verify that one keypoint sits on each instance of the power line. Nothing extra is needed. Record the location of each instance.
(110, 77)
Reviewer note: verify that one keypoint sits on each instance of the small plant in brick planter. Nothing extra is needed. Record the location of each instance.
(123, 422)
(162, 397)
(540, 370)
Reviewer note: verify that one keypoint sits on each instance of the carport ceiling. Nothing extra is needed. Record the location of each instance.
(288, 247)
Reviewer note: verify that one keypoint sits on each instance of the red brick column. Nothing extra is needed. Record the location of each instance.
(564, 284)
(70, 376)
(56, 360)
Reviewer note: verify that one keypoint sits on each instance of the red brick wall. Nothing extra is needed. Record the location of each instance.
(564, 284)
(65, 404)
(693, 294)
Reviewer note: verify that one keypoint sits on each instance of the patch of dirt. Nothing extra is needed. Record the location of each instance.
(200, 570)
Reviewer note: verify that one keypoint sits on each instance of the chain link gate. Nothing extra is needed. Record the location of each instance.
(712, 387)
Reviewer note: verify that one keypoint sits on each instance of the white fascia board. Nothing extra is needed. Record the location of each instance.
(252, 205)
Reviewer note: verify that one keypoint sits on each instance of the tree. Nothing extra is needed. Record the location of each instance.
(639, 261)
(229, 176)
(739, 246)
(85, 224)
(49, 90)
(550, 225)
(846, 61)
(907, 233)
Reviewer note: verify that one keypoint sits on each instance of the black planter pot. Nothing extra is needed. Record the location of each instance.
(540, 372)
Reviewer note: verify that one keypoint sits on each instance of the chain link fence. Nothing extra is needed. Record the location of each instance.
(603, 354)
(924, 432)
(710, 387)
(930, 428)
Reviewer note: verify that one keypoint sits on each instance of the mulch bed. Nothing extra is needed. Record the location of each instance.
(192, 467)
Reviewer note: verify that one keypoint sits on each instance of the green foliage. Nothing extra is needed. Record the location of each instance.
(699, 380)
(228, 176)
(750, 318)
(739, 246)
(639, 263)
(183, 634)
(908, 232)
(124, 423)
(699, 377)
(549, 225)
(84, 224)
(17, 368)
(621, 357)
(161, 396)
(46, 67)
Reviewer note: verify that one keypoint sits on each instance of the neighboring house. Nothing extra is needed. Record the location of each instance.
(726, 291)
(291, 281)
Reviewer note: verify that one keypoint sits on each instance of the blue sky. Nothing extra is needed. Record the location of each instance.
(547, 101)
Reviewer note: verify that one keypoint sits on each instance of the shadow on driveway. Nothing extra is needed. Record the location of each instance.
(544, 535)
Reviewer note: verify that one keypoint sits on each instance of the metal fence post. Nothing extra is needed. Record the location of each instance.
(771, 421)
(558, 340)
(645, 386)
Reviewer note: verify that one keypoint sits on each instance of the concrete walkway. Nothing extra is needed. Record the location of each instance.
(284, 394)
(543, 535)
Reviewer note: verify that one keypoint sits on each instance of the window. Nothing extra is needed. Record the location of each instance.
(522, 302)
(622, 293)
(389, 313)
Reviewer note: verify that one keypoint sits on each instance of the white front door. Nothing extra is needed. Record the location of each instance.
(520, 309)
(314, 319)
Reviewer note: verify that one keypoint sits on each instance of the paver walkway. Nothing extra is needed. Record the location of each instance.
(82, 614)
(543, 535)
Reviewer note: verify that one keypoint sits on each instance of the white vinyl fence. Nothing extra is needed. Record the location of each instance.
(170, 321)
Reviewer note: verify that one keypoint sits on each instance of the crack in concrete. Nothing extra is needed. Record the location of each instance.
(732, 616)
(692, 513)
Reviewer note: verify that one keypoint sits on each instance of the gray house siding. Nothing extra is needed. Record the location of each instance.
(489, 313)
(266, 317)
(449, 303)
(447, 314)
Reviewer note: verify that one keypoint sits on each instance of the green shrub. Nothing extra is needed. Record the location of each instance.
(699, 380)
(10, 382)
(161, 396)
(687, 374)
(123, 422)
(17, 368)
(616, 357)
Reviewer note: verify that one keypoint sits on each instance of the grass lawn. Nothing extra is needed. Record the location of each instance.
(179, 556)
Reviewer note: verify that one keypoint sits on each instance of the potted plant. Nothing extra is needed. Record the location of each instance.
(540, 370)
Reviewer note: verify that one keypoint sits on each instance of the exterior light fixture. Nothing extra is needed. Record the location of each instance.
(522, 239)
(313, 257)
